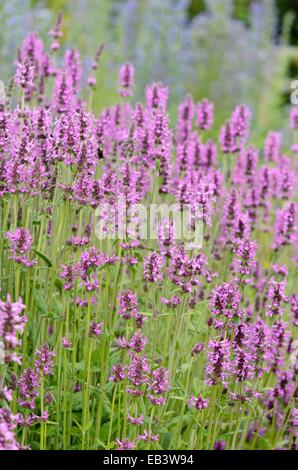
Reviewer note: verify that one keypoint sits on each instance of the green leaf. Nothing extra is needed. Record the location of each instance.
(43, 257)
(39, 299)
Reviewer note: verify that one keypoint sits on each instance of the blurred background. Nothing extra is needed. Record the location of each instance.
(231, 51)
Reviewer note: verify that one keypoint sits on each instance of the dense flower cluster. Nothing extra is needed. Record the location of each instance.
(123, 329)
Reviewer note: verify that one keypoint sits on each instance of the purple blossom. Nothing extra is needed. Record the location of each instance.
(29, 388)
(128, 304)
(118, 373)
(125, 444)
(45, 360)
(138, 342)
(153, 265)
(199, 402)
(159, 382)
(138, 370)
(218, 362)
(20, 244)
(126, 79)
(147, 437)
(275, 298)
(205, 117)
(95, 329)
(136, 421)
(225, 300)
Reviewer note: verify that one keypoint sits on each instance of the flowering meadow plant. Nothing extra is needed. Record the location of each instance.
(114, 339)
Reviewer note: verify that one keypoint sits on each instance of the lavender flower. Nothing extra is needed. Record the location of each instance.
(199, 402)
(44, 362)
(126, 79)
(128, 304)
(205, 116)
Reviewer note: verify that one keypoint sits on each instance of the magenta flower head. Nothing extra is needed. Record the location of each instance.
(225, 300)
(20, 243)
(246, 250)
(199, 347)
(227, 139)
(56, 33)
(45, 360)
(25, 74)
(128, 304)
(153, 265)
(157, 96)
(137, 342)
(95, 329)
(240, 122)
(118, 373)
(138, 370)
(29, 385)
(218, 362)
(159, 381)
(147, 437)
(205, 115)
(276, 298)
(126, 79)
(286, 226)
(125, 444)
(272, 147)
(198, 402)
(137, 421)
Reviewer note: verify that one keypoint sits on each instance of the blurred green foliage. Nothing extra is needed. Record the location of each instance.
(196, 46)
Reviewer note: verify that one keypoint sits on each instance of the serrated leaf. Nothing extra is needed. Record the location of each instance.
(43, 257)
